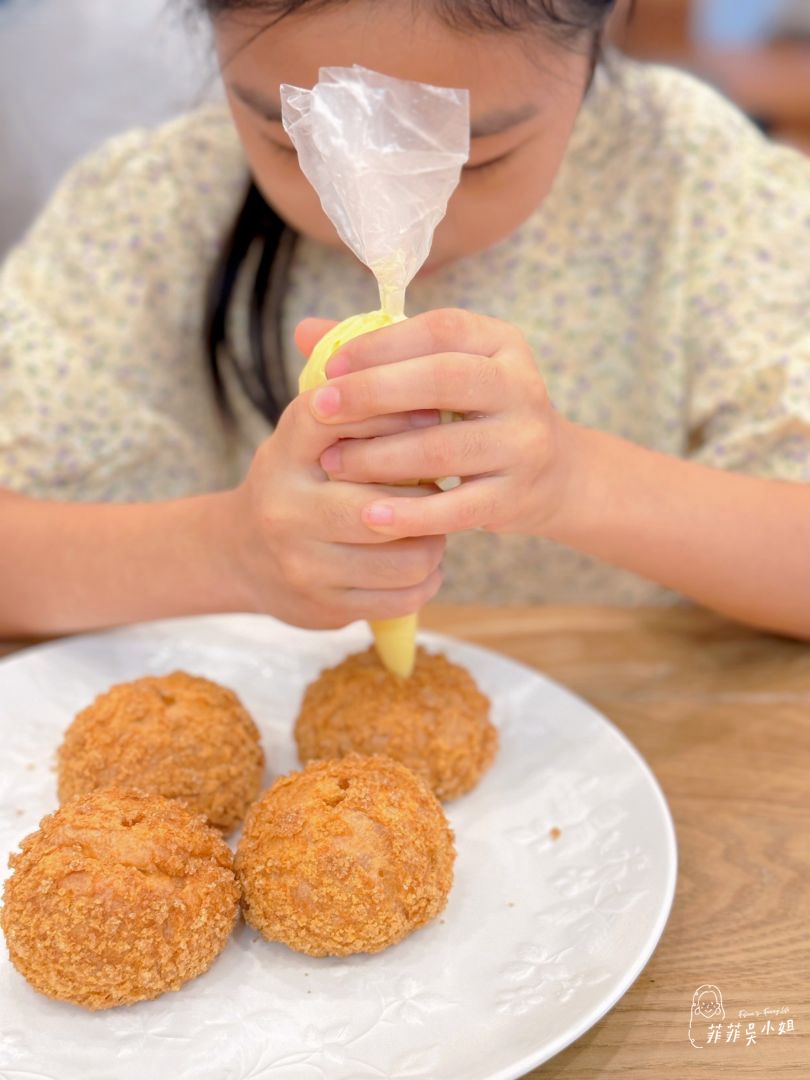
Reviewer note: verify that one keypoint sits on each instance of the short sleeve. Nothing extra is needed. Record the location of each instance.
(104, 392)
(748, 326)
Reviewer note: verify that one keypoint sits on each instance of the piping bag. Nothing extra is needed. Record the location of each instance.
(384, 156)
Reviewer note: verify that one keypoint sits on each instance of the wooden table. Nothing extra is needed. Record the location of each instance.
(722, 714)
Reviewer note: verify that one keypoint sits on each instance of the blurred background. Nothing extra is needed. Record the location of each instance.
(73, 72)
(757, 52)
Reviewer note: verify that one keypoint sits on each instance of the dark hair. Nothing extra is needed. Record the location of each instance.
(260, 234)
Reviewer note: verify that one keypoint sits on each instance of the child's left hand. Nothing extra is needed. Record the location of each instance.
(511, 450)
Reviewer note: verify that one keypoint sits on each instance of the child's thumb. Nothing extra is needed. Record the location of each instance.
(310, 331)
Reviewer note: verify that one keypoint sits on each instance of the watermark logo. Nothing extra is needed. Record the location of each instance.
(707, 1008)
(707, 1027)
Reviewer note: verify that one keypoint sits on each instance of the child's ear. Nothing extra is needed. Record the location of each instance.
(310, 331)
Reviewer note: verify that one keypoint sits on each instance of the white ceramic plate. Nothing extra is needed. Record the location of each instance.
(540, 938)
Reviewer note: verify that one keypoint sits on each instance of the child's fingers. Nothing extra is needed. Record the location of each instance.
(396, 564)
(443, 331)
(390, 603)
(469, 448)
(334, 513)
(310, 331)
(458, 382)
(472, 505)
(307, 437)
(393, 424)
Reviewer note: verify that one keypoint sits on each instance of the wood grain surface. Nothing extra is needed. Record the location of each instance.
(722, 715)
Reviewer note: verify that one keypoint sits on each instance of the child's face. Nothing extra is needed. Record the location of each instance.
(523, 105)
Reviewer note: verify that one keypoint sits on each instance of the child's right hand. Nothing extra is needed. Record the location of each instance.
(298, 546)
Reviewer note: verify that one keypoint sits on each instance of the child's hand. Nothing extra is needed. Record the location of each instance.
(297, 543)
(510, 450)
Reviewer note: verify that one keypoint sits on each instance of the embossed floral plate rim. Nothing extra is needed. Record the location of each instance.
(540, 939)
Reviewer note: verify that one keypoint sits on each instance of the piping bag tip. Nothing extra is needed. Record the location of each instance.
(395, 641)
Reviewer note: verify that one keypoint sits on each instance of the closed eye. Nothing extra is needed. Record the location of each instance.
(285, 148)
(488, 164)
(482, 167)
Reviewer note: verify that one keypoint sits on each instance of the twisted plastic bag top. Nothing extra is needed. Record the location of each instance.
(384, 155)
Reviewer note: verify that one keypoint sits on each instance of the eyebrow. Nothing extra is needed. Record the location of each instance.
(494, 123)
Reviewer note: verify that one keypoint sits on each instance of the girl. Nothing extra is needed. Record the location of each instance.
(616, 302)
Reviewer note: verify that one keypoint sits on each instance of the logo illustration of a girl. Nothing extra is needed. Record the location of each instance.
(707, 1009)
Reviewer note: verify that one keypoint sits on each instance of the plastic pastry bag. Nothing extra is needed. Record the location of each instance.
(384, 156)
